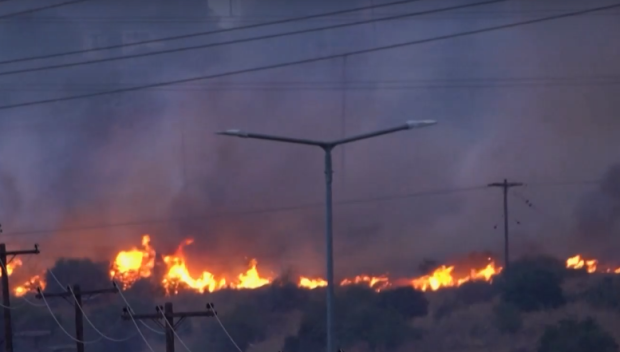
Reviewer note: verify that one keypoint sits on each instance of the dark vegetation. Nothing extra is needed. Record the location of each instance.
(572, 335)
(374, 321)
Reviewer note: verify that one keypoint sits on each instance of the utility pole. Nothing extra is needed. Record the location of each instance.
(169, 325)
(505, 186)
(69, 295)
(6, 292)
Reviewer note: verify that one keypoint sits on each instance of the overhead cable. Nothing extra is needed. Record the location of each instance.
(120, 292)
(42, 8)
(238, 41)
(305, 61)
(218, 31)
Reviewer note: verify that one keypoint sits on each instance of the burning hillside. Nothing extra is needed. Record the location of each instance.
(172, 273)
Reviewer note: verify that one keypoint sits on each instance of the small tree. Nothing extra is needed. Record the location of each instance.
(530, 286)
(507, 318)
(475, 292)
(406, 301)
(604, 294)
(571, 335)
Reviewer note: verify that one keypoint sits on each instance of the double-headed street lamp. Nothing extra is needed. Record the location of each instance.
(328, 147)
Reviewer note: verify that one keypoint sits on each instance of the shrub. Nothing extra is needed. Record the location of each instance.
(475, 292)
(604, 294)
(360, 317)
(406, 301)
(571, 335)
(507, 318)
(530, 286)
(246, 324)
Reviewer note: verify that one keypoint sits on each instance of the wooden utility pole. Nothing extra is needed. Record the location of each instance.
(505, 186)
(169, 325)
(6, 292)
(69, 295)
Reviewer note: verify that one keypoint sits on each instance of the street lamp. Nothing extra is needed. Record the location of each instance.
(328, 147)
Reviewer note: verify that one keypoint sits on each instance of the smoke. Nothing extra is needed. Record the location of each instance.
(597, 216)
(148, 162)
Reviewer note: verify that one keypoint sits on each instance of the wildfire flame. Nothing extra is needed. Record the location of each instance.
(577, 262)
(444, 277)
(12, 265)
(131, 265)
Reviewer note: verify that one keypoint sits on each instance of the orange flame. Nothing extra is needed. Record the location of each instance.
(129, 266)
(577, 262)
(178, 276)
(12, 265)
(376, 282)
(444, 277)
(30, 286)
(311, 284)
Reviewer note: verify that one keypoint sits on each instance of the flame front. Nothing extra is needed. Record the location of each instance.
(178, 276)
(376, 282)
(12, 265)
(129, 266)
(444, 277)
(577, 262)
(311, 284)
(30, 286)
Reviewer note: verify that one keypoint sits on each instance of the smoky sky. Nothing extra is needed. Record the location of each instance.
(533, 104)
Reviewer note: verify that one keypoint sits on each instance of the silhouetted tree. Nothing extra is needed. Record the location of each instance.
(406, 301)
(245, 323)
(507, 318)
(571, 335)
(475, 292)
(530, 286)
(604, 294)
(88, 274)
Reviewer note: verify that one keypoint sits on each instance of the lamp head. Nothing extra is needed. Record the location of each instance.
(233, 132)
(420, 123)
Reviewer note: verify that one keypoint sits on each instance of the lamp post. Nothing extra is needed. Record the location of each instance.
(327, 147)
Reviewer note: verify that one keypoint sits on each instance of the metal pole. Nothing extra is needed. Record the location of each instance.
(506, 244)
(79, 319)
(8, 326)
(168, 314)
(329, 249)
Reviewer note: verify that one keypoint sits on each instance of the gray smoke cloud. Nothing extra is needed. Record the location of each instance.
(150, 163)
(597, 217)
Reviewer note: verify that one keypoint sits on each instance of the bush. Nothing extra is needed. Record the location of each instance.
(406, 301)
(507, 318)
(283, 297)
(246, 324)
(475, 292)
(571, 335)
(360, 317)
(530, 286)
(605, 294)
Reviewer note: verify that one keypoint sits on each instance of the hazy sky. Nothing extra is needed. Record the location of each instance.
(534, 104)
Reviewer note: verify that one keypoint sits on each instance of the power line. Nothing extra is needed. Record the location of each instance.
(128, 309)
(475, 14)
(199, 34)
(304, 61)
(6, 292)
(225, 330)
(328, 86)
(37, 9)
(253, 212)
(243, 40)
(167, 314)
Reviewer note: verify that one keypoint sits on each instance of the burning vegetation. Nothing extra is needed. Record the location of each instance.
(138, 263)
